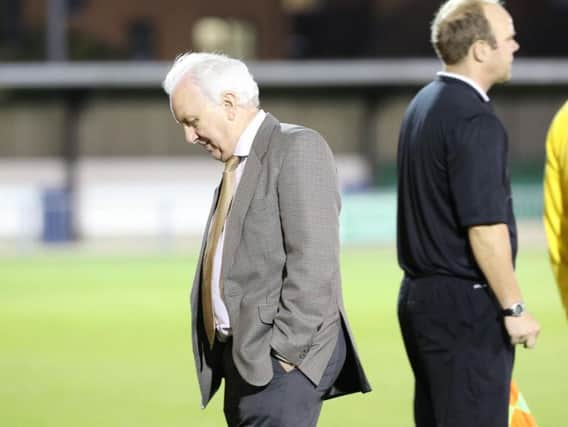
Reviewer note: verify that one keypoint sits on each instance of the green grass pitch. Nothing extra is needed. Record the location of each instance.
(101, 341)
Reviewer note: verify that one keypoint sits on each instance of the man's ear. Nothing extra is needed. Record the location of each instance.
(229, 104)
(480, 51)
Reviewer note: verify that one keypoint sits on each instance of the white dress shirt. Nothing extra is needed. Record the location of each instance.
(469, 81)
(242, 150)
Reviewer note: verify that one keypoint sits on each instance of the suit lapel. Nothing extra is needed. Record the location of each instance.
(245, 190)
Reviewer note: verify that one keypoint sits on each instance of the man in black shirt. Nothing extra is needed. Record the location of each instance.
(460, 307)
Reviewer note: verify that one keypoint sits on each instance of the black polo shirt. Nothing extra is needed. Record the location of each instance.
(452, 174)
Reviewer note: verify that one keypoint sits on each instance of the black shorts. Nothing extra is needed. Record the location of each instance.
(459, 351)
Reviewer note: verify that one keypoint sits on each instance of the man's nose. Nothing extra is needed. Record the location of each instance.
(190, 134)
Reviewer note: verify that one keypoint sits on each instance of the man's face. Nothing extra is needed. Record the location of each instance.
(500, 60)
(203, 122)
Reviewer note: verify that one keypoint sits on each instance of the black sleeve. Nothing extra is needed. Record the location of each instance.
(477, 162)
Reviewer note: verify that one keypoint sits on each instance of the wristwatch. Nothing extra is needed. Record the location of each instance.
(516, 310)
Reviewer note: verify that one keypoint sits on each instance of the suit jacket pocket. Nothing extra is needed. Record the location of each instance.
(267, 313)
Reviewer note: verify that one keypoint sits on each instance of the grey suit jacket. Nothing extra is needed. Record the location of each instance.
(280, 273)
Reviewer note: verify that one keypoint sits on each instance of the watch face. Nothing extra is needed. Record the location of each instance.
(518, 309)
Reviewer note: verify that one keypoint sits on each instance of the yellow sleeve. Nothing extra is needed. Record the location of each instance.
(556, 199)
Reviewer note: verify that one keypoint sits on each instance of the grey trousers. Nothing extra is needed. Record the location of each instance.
(289, 400)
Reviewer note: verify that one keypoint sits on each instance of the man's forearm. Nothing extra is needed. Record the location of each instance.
(492, 250)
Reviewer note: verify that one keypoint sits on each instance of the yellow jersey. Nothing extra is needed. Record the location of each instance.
(556, 200)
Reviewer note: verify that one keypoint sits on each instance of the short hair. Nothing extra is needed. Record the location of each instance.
(214, 74)
(457, 25)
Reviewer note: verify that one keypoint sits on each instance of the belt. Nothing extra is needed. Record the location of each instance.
(476, 284)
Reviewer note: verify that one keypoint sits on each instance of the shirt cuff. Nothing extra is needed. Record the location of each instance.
(280, 357)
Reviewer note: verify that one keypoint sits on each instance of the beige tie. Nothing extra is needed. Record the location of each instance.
(219, 217)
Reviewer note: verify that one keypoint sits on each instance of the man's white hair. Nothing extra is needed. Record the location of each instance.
(214, 74)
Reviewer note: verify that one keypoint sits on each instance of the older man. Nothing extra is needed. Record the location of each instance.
(461, 310)
(267, 310)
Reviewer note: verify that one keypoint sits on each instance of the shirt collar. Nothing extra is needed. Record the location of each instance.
(244, 143)
(464, 79)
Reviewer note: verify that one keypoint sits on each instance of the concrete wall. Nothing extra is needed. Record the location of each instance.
(159, 198)
(141, 125)
(31, 128)
(137, 177)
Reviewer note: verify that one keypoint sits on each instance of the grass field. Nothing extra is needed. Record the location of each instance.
(104, 341)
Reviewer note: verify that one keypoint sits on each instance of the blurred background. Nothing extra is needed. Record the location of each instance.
(87, 138)
(102, 204)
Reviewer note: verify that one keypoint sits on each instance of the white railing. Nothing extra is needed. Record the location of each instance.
(328, 73)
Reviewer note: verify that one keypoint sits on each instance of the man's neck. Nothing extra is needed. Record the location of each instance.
(471, 73)
(246, 115)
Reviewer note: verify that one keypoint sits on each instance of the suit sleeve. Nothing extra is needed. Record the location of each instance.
(309, 204)
(556, 201)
